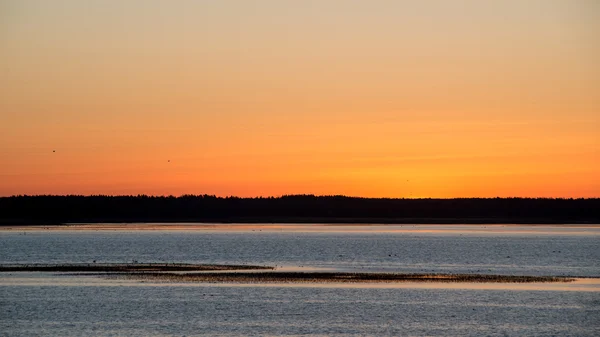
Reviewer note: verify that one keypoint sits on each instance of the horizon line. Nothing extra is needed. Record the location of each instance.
(288, 195)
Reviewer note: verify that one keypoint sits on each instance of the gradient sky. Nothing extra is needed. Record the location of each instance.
(368, 98)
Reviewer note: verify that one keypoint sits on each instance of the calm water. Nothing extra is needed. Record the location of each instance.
(58, 305)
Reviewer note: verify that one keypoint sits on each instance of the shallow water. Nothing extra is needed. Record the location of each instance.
(155, 310)
(516, 250)
(61, 305)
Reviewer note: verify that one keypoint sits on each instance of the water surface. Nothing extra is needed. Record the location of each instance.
(61, 305)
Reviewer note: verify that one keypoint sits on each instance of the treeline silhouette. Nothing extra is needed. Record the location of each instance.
(293, 208)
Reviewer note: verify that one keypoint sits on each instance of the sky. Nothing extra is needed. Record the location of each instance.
(378, 98)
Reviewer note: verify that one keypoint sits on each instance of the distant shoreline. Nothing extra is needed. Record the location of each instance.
(572, 229)
(307, 221)
(293, 209)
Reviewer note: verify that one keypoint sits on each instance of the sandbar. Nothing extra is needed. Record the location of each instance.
(125, 267)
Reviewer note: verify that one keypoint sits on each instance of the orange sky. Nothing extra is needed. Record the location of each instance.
(368, 98)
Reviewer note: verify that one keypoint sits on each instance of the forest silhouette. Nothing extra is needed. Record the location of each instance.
(25, 210)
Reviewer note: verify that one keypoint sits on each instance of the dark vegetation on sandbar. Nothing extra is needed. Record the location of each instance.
(36, 210)
(336, 277)
(124, 267)
(182, 272)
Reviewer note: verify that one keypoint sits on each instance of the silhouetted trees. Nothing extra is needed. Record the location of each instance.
(293, 208)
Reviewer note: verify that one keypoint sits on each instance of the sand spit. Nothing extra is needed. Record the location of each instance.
(125, 268)
(213, 273)
(336, 277)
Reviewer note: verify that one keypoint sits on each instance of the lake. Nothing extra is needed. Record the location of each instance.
(54, 304)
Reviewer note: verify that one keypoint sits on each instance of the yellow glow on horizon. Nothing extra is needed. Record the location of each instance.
(377, 99)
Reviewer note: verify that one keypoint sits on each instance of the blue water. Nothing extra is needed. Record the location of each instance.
(539, 251)
(68, 306)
